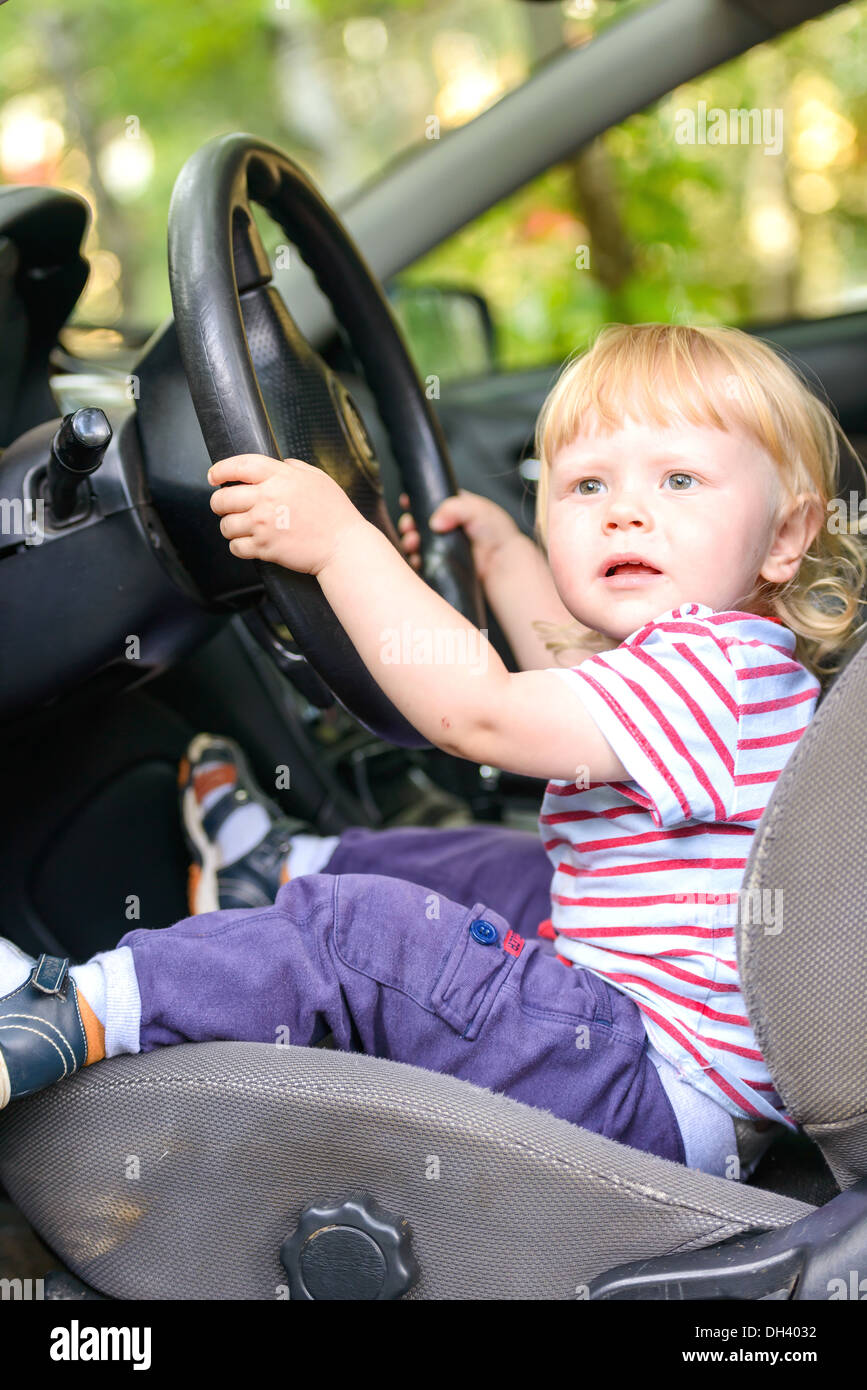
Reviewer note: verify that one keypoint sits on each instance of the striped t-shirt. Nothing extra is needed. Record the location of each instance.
(703, 709)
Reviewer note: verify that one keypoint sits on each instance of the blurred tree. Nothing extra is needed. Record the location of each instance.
(714, 233)
(697, 232)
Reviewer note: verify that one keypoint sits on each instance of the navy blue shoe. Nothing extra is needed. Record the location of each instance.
(255, 879)
(42, 1036)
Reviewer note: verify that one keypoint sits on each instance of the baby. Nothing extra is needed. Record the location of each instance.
(685, 477)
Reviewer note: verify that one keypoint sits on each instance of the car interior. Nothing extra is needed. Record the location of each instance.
(126, 627)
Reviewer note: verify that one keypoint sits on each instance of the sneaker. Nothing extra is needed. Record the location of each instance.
(215, 782)
(42, 1034)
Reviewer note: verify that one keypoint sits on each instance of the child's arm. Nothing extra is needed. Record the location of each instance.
(456, 692)
(513, 572)
(435, 666)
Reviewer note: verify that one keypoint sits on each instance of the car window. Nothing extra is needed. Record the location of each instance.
(109, 99)
(739, 198)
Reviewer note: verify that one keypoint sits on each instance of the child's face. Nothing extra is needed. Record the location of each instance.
(695, 502)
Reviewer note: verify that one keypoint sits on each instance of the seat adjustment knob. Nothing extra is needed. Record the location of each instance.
(353, 1249)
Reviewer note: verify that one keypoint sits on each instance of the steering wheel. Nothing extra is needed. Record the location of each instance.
(259, 387)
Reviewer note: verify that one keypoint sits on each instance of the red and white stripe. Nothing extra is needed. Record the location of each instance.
(704, 709)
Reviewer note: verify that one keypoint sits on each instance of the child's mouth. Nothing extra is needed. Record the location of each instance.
(628, 576)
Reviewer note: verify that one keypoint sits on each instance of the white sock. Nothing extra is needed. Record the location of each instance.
(247, 826)
(91, 983)
(310, 853)
(240, 832)
(15, 966)
(108, 983)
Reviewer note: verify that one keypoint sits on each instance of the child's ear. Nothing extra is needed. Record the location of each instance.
(813, 514)
(796, 531)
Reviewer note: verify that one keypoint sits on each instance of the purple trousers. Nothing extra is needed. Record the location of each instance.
(419, 945)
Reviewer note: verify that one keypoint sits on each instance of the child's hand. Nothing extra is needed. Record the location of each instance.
(410, 540)
(487, 526)
(288, 511)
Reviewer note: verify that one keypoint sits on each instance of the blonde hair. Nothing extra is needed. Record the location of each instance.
(723, 378)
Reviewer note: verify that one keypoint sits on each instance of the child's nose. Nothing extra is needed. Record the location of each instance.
(627, 506)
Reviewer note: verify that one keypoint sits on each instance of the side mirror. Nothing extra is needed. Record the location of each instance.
(448, 329)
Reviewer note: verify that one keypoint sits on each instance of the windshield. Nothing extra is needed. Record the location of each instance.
(109, 99)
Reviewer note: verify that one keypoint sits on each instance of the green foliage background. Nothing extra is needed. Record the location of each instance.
(669, 236)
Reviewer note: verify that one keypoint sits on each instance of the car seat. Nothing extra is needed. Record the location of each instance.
(254, 1171)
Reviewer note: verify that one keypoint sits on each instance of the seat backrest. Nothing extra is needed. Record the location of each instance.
(802, 931)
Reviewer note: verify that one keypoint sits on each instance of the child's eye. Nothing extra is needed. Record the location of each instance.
(680, 476)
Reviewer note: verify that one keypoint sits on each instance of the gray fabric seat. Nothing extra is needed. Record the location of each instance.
(179, 1174)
